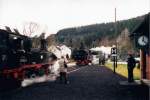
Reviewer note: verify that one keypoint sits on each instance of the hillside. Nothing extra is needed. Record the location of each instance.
(96, 34)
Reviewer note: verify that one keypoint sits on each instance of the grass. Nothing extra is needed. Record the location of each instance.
(122, 70)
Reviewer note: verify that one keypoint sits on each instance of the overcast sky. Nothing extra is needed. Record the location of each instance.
(59, 14)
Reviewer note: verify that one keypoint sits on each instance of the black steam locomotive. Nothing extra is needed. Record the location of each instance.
(18, 60)
(81, 57)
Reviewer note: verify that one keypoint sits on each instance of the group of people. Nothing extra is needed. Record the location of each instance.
(102, 60)
(59, 67)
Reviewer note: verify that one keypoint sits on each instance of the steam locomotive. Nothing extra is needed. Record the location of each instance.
(18, 60)
(81, 57)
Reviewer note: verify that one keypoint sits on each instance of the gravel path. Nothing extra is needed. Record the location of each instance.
(88, 83)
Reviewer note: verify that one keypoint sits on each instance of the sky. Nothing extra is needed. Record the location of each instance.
(54, 15)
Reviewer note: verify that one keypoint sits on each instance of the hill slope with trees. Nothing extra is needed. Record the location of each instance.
(96, 34)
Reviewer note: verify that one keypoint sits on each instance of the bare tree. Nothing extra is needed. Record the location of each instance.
(30, 28)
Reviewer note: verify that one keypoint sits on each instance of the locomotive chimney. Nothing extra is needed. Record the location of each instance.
(43, 42)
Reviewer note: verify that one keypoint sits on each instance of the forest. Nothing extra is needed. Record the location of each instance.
(96, 34)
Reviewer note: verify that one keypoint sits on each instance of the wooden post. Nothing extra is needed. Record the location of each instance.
(148, 66)
(114, 64)
(143, 64)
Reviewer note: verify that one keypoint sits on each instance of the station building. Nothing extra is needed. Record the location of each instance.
(141, 37)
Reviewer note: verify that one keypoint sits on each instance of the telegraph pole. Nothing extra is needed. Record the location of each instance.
(114, 48)
(116, 38)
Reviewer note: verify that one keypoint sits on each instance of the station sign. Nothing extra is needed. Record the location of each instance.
(113, 51)
(113, 55)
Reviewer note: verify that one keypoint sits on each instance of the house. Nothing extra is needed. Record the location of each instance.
(59, 51)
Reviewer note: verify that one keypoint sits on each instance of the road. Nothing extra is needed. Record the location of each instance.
(86, 83)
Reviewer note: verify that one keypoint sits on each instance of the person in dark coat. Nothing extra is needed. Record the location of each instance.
(103, 60)
(131, 63)
(100, 60)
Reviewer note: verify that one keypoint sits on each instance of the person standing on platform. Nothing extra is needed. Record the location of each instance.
(131, 63)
